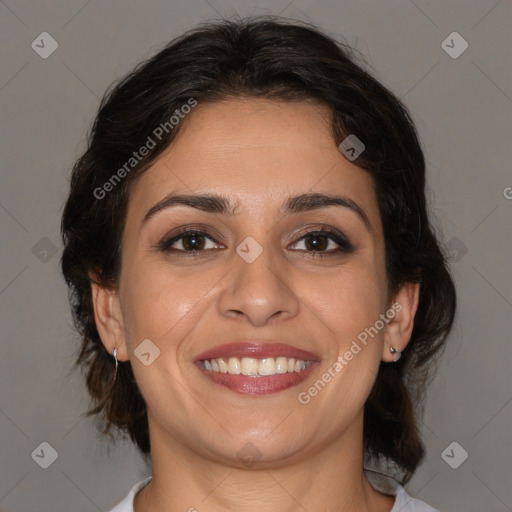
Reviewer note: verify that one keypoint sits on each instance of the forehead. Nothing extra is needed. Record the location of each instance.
(256, 151)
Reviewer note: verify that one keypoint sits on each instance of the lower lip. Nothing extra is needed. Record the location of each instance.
(258, 385)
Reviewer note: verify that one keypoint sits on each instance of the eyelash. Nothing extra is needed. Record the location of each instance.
(345, 246)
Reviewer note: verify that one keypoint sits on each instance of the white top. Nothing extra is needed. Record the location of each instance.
(379, 481)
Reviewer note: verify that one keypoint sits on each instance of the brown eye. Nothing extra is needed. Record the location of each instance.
(192, 240)
(317, 242)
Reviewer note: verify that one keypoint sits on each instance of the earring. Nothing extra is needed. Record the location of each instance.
(115, 373)
(393, 350)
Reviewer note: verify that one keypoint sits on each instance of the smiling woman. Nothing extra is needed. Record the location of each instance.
(246, 262)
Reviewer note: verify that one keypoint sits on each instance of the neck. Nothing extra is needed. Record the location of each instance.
(330, 479)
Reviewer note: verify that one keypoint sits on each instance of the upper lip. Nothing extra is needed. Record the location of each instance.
(256, 349)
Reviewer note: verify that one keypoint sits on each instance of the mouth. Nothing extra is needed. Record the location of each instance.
(256, 368)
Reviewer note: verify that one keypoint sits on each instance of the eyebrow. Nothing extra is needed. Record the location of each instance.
(212, 203)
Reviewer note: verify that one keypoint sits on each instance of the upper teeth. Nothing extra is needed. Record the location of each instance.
(256, 367)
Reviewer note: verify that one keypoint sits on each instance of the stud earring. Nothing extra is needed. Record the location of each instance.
(394, 351)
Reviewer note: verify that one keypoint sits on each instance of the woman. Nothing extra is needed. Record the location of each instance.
(253, 272)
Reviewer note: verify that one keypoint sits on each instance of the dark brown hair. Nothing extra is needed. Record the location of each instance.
(273, 58)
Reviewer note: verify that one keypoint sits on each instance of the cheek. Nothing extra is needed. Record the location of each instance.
(163, 303)
(349, 305)
(347, 301)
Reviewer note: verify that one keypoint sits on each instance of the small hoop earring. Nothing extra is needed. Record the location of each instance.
(115, 372)
(394, 351)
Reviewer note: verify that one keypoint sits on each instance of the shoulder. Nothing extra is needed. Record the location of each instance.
(405, 503)
(386, 484)
(126, 505)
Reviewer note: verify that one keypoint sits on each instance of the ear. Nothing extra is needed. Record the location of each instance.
(399, 328)
(109, 319)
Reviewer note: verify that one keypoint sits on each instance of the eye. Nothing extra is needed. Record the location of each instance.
(317, 242)
(191, 240)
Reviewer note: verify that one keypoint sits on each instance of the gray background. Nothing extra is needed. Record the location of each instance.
(462, 108)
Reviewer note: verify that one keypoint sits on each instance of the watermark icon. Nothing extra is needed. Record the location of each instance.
(304, 397)
(456, 249)
(44, 45)
(454, 45)
(351, 147)
(45, 455)
(249, 249)
(146, 352)
(44, 250)
(454, 455)
(151, 142)
(249, 454)
(507, 192)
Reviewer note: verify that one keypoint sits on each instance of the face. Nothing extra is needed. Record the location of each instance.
(310, 278)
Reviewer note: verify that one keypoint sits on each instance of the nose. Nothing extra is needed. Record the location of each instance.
(259, 291)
